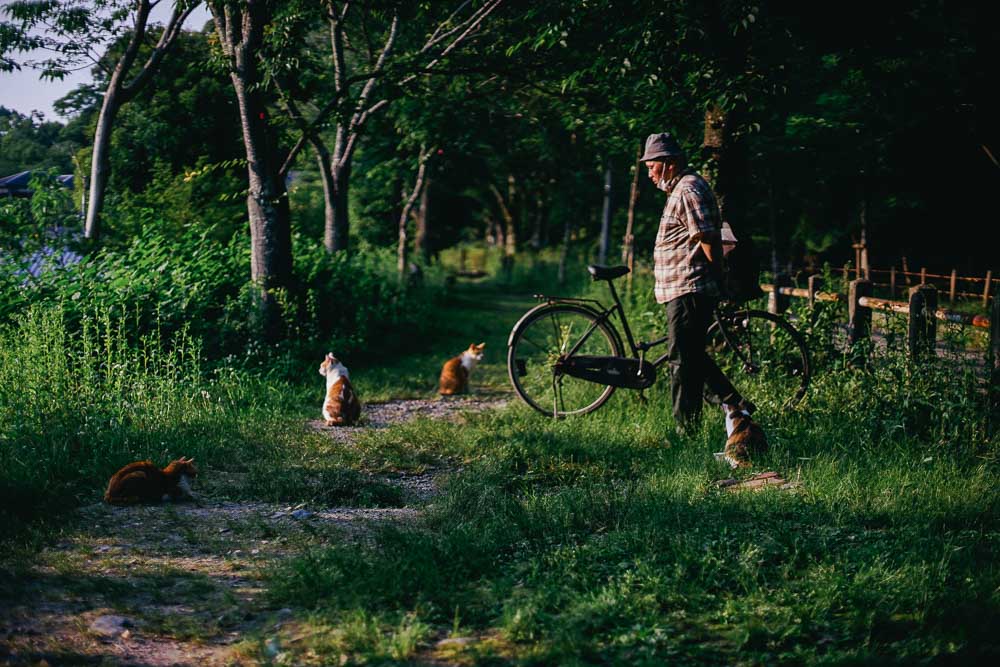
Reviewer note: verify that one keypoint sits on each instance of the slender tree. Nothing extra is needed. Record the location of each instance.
(418, 186)
(240, 27)
(366, 80)
(76, 32)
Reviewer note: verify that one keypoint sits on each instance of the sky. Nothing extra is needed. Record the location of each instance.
(24, 92)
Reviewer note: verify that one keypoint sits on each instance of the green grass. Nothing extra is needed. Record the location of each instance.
(604, 540)
(595, 540)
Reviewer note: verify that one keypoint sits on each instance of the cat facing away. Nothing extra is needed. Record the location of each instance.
(455, 373)
(341, 406)
(143, 482)
(746, 439)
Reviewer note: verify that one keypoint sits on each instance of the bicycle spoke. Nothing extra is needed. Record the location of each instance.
(559, 331)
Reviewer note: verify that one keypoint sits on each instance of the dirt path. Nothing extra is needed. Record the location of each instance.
(183, 584)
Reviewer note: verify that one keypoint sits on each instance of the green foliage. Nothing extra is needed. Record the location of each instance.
(31, 143)
(29, 226)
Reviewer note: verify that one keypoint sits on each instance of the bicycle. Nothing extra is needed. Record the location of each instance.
(565, 356)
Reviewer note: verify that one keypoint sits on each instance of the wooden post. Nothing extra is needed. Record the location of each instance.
(857, 260)
(922, 333)
(628, 243)
(847, 275)
(815, 282)
(777, 303)
(892, 282)
(906, 271)
(923, 275)
(859, 318)
(986, 290)
(951, 291)
(993, 356)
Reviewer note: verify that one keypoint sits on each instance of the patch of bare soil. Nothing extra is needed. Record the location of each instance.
(182, 584)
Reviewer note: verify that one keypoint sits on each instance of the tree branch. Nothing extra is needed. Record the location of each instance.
(166, 41)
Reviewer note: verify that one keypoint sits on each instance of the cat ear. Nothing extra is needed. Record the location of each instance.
(329, 356)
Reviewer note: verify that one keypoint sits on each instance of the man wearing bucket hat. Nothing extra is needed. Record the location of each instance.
(687, 266)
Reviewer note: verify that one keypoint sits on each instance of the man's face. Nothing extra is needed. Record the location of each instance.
(654, 168)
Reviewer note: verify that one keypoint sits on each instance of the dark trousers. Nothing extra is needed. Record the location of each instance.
(694, 376)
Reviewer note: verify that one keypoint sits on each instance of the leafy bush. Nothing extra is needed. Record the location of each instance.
(190, 279)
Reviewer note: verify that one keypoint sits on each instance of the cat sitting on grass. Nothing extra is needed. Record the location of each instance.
(455, 373)
(341, 407)
(143, 482)
(746, 439)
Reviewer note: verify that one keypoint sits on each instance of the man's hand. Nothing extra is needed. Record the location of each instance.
(712, 247)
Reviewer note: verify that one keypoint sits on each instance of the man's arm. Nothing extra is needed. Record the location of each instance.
(711, 245)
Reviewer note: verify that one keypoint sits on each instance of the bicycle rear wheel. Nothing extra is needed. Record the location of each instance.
(765, 356)
(539, 340)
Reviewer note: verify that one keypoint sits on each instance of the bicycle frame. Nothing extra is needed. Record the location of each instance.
(638, 348)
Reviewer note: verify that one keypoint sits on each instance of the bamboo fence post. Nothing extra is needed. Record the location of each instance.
(777, 302)
(847, 277)
(859, 318)
(986, 290)
(951, 291)
(815, 282)
(922, 330)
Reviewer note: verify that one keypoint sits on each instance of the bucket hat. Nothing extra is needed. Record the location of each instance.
(660, 146)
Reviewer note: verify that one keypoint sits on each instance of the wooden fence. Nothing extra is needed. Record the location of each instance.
(921, 310)
(902, 280)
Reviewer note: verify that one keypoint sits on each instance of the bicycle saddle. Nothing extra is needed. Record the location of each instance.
(606, 272)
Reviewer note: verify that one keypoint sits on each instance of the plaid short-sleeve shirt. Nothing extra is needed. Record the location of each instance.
(679, 264)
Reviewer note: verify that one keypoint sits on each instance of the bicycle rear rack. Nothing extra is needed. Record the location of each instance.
(566, 299)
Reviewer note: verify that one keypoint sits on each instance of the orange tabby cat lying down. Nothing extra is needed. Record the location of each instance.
(143, 482)
(455, 373)
(341, 407)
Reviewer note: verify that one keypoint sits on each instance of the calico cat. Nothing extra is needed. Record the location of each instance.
(455, 373)
(746, 437)
(143, 482)
(341, 407)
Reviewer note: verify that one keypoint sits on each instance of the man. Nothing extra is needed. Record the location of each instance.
(687, 265)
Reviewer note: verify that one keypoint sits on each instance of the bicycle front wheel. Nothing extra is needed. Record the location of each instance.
(540, 339)
(764, 351)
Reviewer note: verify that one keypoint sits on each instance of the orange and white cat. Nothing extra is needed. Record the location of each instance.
(745, 439)
(143, 482)
(456, 371)
(341, 407)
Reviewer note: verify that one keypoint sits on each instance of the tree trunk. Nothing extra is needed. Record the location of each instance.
(605, 241)
(628, 243)
(119, 92)
(422, 241)
(564, 254)
(337, 228)
(329, 193)
(404, 217)
(100, 164)
(536, 235)
(267, 206)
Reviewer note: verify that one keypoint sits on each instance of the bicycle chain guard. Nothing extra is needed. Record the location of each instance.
(624, 372)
